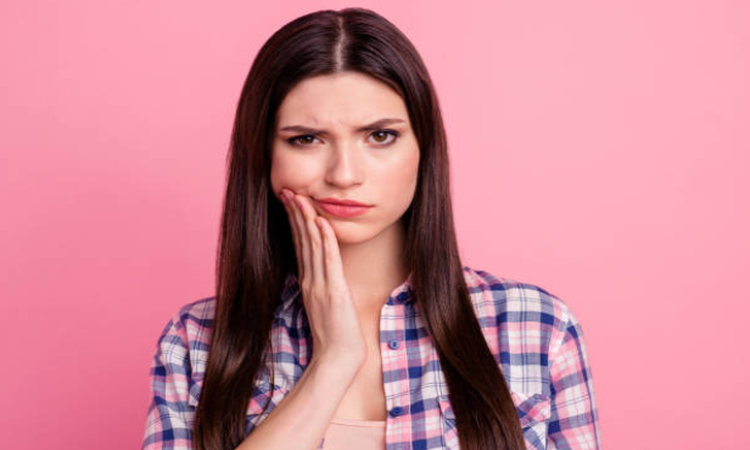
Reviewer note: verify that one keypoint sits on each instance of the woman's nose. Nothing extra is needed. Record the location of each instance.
(345, 166)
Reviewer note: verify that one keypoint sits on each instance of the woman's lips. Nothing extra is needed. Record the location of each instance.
(340, 210)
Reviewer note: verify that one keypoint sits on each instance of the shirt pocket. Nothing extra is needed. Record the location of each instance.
(533, 410)
(264, 392)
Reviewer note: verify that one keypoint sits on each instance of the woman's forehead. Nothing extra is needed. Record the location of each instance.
(348, 100)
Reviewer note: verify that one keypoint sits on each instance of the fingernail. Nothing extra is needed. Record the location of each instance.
(298, 200)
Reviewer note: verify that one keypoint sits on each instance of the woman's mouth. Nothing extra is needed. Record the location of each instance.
(342, 210)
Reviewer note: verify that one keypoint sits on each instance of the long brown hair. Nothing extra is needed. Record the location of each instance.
(255, 250)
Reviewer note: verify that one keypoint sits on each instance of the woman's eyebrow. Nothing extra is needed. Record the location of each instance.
(373, 126)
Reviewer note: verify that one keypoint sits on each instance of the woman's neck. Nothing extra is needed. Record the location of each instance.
(373, 269)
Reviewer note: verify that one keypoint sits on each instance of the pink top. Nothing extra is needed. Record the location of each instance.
(345, 434)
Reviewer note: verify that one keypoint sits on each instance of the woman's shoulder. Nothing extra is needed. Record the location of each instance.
(198, 313)
(193, 317)
(511, 300)
(186, 335)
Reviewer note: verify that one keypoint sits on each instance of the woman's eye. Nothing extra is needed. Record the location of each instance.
(380, 136)
(384, 134)
(294, 140)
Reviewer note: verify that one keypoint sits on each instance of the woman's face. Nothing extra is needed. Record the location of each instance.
(324, 147)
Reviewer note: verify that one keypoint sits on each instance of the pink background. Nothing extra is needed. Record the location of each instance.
(599, 150)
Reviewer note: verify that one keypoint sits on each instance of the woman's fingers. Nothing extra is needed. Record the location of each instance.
(333, 266)
(304, 252)
(316, 245)
(314, 240)
(287, 200)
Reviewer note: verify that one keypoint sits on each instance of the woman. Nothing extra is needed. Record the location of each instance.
(338, 235)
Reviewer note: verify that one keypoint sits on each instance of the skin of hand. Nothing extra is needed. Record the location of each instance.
(337, 333)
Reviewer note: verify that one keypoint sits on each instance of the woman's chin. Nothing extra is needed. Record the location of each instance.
(350, 233)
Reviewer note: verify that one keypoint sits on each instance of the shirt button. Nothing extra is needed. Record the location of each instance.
(397, 411)
(394, 344)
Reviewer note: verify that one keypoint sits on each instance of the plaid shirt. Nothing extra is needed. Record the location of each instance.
(534, 336)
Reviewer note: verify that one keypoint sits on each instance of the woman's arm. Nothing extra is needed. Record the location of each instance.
(170, 414)
(300, 420)
(574, 423)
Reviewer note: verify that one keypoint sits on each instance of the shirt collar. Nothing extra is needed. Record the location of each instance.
(402, 294)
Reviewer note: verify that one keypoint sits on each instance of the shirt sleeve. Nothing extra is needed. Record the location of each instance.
(574, 420)
(170, 415)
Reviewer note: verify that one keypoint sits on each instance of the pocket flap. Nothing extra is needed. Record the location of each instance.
(532, 407)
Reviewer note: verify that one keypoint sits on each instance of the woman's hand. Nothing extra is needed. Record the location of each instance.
(337, 334)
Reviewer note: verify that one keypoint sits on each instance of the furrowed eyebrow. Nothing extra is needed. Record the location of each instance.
(371, 127)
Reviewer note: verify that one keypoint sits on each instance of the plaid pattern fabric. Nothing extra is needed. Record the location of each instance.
(533, 334)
